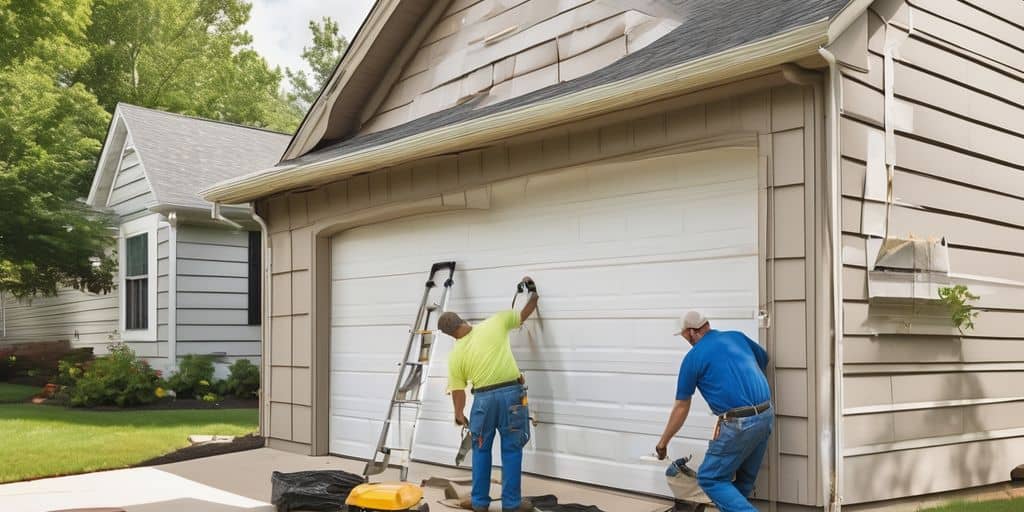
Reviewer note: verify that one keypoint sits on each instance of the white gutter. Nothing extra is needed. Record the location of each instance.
(630, 92)
(832, 113)
(172, 291)
(265, 327)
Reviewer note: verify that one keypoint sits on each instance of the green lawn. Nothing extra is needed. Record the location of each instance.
(1015, 505)
(44, 440)
(16, 392)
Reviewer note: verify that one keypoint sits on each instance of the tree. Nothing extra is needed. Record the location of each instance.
(50, 132)
(187, 56)
(327, 49)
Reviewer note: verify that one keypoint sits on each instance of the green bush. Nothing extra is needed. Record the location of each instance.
(244, 380)
(118, 379)
(194, 376)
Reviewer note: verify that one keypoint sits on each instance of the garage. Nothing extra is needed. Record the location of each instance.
(619, 249)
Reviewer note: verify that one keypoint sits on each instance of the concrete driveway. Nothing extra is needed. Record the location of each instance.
(240, 482)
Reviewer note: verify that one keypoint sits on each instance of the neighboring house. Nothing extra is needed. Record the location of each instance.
(187, 284)
(640, 158)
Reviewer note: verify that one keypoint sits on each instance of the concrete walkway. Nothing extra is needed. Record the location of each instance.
(240, 482)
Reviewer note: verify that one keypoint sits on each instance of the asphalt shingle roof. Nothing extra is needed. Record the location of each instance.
(708, 27)
(183, 155)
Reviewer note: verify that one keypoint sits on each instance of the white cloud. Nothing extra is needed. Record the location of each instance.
(280, 29)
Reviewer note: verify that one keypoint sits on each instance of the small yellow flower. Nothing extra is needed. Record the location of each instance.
(160, 393)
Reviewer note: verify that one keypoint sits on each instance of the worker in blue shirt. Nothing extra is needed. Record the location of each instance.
(728, 369)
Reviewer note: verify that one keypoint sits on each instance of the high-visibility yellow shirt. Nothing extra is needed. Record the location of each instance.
(484, 356)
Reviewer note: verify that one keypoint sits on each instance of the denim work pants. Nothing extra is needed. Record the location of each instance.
(501, 411)
(738, 453)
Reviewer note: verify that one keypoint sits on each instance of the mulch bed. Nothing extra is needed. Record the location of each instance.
(239, 444)
(179, 404)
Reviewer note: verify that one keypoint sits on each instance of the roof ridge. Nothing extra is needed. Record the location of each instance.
(197, 118)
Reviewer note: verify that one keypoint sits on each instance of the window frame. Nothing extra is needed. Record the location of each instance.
(149, 226)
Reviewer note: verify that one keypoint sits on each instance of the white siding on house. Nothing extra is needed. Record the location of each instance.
(86, 319)
(212, 294)
(131, 194)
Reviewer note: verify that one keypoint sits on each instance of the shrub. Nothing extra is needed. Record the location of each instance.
(195, 373)
(118, 379)
(244, 380)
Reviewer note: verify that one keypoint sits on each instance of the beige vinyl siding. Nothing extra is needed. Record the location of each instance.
(783, 119)
(86, 319)
(919, 398)
(130, 195)
(212, 314)
(504, 49)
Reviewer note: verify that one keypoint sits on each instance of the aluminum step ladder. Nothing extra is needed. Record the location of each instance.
(412, 378)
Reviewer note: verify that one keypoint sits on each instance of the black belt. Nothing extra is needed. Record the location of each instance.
(746, 411)
(492, 387)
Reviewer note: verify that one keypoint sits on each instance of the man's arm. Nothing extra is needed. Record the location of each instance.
(529, 308)
(675, 422)
(459, 402)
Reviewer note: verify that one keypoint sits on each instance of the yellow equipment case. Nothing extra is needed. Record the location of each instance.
(386, 497)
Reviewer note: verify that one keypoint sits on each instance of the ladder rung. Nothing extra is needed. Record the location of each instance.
(390, 449)
(423, 331)
(407, 402)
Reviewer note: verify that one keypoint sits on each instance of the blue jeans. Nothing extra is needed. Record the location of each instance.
(738, 453)
(501, 411)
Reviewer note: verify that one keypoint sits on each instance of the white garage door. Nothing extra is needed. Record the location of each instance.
(618, 251)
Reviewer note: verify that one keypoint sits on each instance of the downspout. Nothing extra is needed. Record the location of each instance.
(832, 93)
(172, 291)
(823, 346)
(219, 216)
(3, 311)
(265, 327)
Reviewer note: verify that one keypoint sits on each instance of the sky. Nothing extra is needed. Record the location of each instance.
(280, 29)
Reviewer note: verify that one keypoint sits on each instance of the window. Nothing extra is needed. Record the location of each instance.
(136, 283)
(255, 272)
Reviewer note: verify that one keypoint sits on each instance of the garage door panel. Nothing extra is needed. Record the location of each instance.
(618, 251)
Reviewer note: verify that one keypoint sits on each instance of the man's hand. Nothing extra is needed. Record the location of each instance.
(662, 451)
(460, 419)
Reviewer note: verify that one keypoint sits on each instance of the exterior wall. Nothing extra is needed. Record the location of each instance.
(130, 195)
(926, 409)
(783, 120)
(502, 49)
(212, 295)
(86, 319)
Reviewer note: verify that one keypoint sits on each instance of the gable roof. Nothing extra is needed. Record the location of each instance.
(182, 155)
(720, 38)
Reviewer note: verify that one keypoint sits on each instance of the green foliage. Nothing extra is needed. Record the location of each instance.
(192, 57)
(118, 378)
(322, 56)
(210, 397)
(961, 313)
(244, 380)
(193, 378)
(50, 134)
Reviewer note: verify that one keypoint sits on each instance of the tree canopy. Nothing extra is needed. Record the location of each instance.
(64, 66)
(322, 56)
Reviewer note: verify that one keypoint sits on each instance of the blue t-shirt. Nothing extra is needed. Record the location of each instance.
(728, 368)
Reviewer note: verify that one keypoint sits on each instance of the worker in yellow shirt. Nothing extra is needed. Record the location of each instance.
(482, 356)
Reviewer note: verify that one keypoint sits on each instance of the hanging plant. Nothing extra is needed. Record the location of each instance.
(956, 298)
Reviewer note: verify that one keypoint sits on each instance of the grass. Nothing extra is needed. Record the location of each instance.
(1014, 505)
(13, 393)
(41, 440)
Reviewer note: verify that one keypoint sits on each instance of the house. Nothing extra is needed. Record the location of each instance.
(811, 173)
(187, 284)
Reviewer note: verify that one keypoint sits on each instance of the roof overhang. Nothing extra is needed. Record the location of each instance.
(204, 216)
(637, 90)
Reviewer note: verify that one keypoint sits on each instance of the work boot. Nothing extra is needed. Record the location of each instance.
(524, 506)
